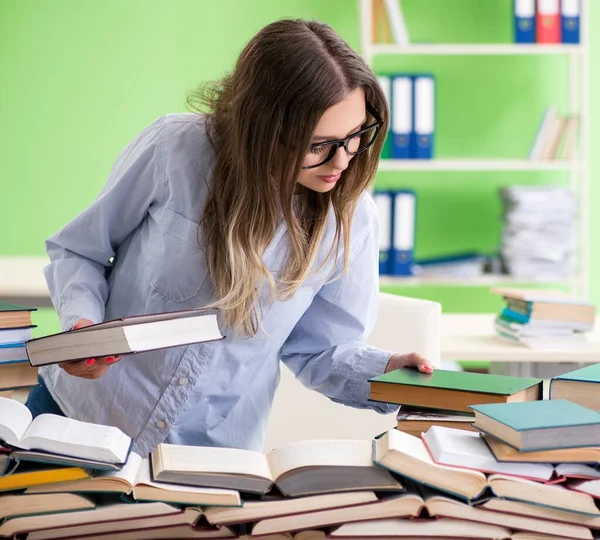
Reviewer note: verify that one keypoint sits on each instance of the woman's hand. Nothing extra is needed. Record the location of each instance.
(412, 360)
(92, 368)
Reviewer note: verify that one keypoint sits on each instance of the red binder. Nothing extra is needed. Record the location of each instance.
(548, 21)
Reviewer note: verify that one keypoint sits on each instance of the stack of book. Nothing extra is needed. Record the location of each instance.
(544, 318)
(16, 375)
(444, 397)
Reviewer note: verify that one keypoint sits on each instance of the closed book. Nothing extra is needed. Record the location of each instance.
(579, 386)
(298, 469)
(128, 335)
(17, 375)
(14, 315)
(552, 296)
(12, 505)
(23, 475)
(451, 390)
(540, 425)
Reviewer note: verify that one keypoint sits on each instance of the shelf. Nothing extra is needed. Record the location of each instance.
(476, 49)
(478, 281)
(475, 165)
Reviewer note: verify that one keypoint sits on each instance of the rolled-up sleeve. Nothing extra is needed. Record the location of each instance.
(327, 349)
(81, 252)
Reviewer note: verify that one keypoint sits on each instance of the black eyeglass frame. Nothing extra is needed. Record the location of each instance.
(337, 144)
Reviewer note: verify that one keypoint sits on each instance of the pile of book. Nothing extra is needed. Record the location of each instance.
(539, 231)
(518, 476)
(544, 318)
(17, 376)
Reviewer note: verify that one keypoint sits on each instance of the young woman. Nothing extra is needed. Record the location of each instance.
(259, 208)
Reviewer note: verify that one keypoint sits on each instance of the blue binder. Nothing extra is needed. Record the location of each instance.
(404, 212)
(384, 201)
(402, 116)
(385, 82)
(570, 18)
(524, 21)
(424, 116)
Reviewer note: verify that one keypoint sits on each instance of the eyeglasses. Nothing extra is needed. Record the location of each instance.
(355, 143)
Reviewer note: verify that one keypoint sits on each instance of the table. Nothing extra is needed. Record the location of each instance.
(467, 336)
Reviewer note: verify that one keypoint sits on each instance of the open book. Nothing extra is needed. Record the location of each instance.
(134, 479)
(301, 468)
(407, 456)
(17, 505)
(54, 434)
(127, 335)
(469, 450)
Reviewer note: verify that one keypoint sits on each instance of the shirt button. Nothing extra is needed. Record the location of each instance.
(183, 381)
(161, 425)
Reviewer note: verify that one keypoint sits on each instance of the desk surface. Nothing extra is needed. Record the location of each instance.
(472, 337)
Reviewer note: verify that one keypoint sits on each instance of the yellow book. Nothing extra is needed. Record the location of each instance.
(27, 475)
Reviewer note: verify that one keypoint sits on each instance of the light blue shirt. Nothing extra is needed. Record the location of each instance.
(138, 249)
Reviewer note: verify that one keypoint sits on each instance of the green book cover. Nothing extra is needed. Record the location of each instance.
(587, 374)
(527, 415)
(7, 306)
(458, 380)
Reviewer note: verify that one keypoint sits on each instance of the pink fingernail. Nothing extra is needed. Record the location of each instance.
(110, 360)
(90, 361)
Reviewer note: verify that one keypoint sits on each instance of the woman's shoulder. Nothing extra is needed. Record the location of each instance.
(366, 214)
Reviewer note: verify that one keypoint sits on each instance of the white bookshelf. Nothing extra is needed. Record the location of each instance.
(468, 49)
(490, 280)
(476, 165)
(577, 170)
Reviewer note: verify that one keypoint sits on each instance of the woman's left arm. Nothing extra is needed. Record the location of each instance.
(327, 349)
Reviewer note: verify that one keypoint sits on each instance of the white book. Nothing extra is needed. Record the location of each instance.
(56, 434)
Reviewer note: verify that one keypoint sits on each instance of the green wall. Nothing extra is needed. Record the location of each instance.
(80, 79)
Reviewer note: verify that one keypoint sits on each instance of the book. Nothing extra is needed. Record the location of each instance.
(276, 506)
(408, 457)
(547, 514)
(49, 524)
(540, 425)
(162, 532)
(14, 315)
(12, 352)
(385, 508)
(579, 386)
(438, 528)
(458, 448)
(298, 469)
(541, 296)
(134, 479)
(17, 336)
(127, 335)
(548, 311)
(24, 475)
(451, 390)
(564, 456)
(122, 523)
(20, 505)
(416, 421)
(54, 434)
(17, 375)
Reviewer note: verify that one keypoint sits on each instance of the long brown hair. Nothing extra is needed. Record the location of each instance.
(261, 119)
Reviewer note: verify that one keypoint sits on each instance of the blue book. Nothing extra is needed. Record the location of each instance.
(404, 210)
(539, 425)
(570, 21)
(384, 201)
(424, 116)
(402, 131)
(524, 11)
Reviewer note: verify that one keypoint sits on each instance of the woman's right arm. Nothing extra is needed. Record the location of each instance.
(81, 252)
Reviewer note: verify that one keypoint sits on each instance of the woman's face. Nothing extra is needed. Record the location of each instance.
(337, 122)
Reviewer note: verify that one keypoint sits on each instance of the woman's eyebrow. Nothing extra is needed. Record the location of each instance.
(332, 138)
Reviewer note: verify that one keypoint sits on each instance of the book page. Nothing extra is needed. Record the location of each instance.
(62, 435)
(320, 453)
(196, 459)
(14, 421)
